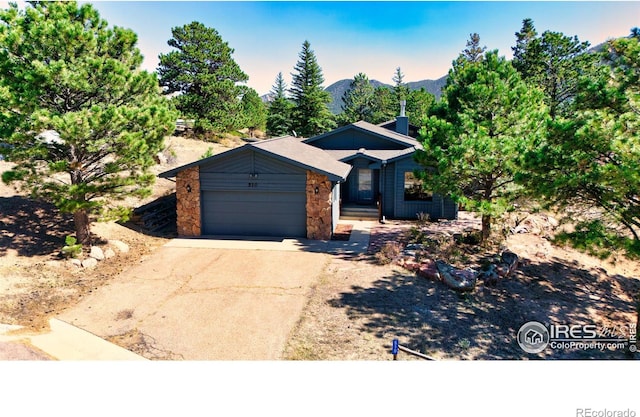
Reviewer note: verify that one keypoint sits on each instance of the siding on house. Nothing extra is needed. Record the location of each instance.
(410, 209)
(389, 192)
(355, 139)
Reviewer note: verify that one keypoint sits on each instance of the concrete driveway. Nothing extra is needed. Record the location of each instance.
(199, 303)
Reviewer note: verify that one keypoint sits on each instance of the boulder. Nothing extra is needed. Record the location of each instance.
(109, 253)
(429, 270)
(96, 253)
(76, 263)
(89, 262)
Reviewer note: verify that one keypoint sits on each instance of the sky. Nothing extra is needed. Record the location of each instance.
(422, 38)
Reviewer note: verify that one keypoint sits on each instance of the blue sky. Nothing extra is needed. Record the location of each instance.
(422, 38)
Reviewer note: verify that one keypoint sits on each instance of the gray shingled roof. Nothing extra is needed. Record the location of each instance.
(377, 130)
(297, 152)
(288, 149)
(378, 155)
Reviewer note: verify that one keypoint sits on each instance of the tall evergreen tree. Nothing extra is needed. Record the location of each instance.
(592, 157)
(473, 52)
(385, 105)
(475, 141)
(556, 63)
(202, 70)
(358, 101)
(279, 112)
(523, 39)
(400, 88)
(419, 103)
(254, 111)
(311, 115)
(63, 70)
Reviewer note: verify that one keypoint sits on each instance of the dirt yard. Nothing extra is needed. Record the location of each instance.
(35, 283)
(359, 306)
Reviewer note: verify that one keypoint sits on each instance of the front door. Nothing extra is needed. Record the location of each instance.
(365, 185)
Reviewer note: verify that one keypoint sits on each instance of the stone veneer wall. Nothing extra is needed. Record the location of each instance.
(318, 207)
(188, 209)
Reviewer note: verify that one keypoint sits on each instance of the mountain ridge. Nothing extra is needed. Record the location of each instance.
(338, 88)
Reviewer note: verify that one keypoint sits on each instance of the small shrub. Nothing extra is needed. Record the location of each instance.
(207, 154)
(388, 253)
(71, 249)
(464, 343)
(423, 218)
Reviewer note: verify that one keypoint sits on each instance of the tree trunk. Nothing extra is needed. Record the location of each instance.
(82, 225)
(486, 227)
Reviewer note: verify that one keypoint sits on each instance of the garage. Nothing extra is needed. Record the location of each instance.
(254, 213)
(278, 187)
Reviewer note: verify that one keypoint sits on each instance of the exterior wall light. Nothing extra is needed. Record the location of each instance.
(316, 190)
(188, 188)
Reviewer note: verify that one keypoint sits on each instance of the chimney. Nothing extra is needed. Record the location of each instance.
(402, 121)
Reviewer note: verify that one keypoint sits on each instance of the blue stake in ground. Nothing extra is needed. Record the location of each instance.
(394, 348)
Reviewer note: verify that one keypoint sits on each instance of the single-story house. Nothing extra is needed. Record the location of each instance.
(293, 187)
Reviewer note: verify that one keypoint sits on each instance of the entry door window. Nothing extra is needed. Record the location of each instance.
(365, 184)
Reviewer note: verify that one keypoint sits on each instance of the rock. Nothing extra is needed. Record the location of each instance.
(411, 265)
(77, 263)
(89, 262)
(490, 276)
(428, 270)
(553, 222)
(120, 245)
(520, 229)
(109, 253)
(161, 158)
(96, 253)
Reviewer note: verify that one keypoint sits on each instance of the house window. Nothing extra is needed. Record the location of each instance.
(414, 190)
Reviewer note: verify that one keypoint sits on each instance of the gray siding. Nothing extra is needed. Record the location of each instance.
(388, 184)
(249, 161)
(355, 140)
(450, 209)
(247, 193)
(410, 209)
(252, 182)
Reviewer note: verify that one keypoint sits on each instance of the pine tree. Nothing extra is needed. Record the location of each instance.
(556, 63)
(473, 52)
(522, 49)
(279, 113)
(474, 143)
(358, 101)
(254, 111)
(64, 70)
(400, 88)
(419, 103)
(311, 115)
(202, 70)
(385, 105)
(592, 157)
